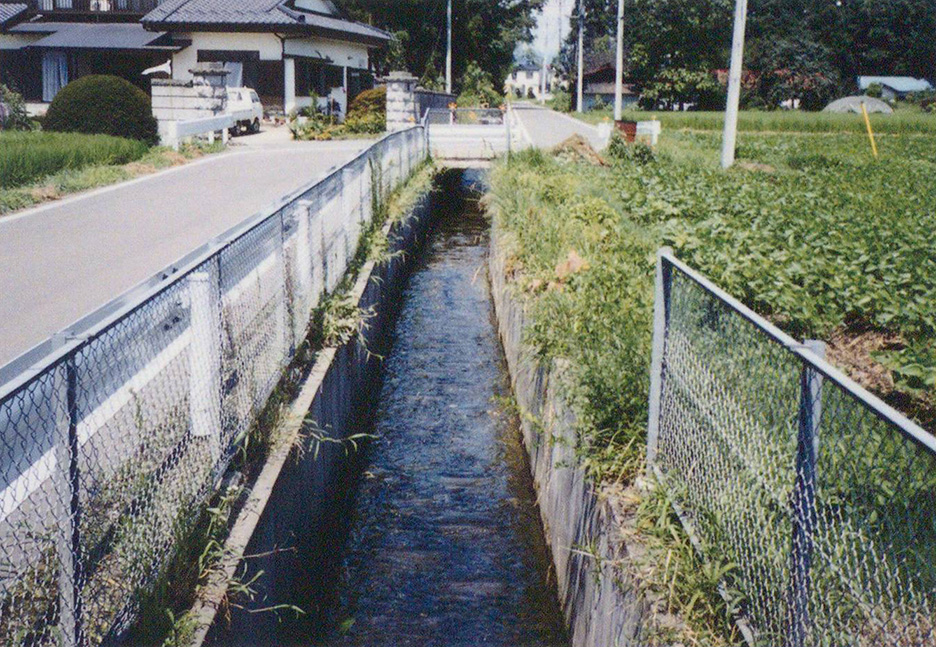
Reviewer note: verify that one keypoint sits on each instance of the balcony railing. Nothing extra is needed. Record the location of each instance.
(123, 7)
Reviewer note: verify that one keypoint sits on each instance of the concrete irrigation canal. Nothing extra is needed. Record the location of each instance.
(429, 534)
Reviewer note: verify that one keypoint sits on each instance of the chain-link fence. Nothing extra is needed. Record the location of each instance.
(818, 498)
(109, 444)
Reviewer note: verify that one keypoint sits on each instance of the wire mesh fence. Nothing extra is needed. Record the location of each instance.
(109, 444)
(816, 496)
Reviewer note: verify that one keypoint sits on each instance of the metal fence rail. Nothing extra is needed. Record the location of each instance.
(819, 497)
(110, 441)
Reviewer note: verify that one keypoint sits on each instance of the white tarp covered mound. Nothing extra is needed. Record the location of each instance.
(853, 104)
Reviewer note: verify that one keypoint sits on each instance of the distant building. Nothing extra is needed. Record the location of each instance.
(895, 87)
(525, 81)
(599, 89)
(284, 49)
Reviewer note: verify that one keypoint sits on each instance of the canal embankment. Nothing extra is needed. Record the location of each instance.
(584, 527)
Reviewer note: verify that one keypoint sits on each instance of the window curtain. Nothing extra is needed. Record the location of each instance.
(54, 74)
(235, 77)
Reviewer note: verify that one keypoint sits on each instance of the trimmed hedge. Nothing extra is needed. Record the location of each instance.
(103, 105)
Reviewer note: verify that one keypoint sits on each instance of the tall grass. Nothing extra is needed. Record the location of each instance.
(906, 120)
(26, 157)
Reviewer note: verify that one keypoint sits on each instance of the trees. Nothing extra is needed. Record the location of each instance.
(806, 50)
(484, 31)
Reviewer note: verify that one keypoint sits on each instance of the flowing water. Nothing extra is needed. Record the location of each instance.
(446, 546)
(431, 535)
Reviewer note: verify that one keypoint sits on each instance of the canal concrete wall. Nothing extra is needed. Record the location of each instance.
(597, 590)
(295, 517)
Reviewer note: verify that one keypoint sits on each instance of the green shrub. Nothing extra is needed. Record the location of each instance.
(875, 90)
(369, 102)
(13, 115)
(620, 150)
(105, 105)
(561, 101)
(26, 157)
(367, 113)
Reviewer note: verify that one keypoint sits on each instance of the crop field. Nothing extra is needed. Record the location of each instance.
(26, 157)
(907, 119)
(808, 229)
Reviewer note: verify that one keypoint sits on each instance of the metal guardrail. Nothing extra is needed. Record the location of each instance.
(817, 496)
(114, 432)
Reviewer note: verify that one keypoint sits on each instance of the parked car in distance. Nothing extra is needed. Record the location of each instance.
(245, 105)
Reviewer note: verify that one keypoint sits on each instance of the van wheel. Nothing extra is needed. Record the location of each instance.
(255, 126)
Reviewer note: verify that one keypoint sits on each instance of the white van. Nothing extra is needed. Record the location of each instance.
(245, 106)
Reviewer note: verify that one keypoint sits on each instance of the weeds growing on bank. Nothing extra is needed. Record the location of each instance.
(810, 231)
(336, 321)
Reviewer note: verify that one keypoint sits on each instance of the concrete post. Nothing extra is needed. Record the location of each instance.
(289, 85)
(67, 477)
(205, 361)
(401, 100)
(581, 57)
(730, 137)
(619, 69)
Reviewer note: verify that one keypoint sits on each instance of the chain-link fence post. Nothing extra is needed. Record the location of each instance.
(804, 498)
(68, 541)
(205, 361)
(284, 329)
(664, 280)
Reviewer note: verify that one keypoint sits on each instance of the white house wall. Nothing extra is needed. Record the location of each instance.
(269, 46)
(342, 54)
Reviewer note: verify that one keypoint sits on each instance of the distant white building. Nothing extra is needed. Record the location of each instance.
(525, 81)
(894, 87)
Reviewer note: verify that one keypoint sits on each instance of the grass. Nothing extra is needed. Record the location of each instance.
(103, 173)
(26, 157)
(810, 231)
(907, 119)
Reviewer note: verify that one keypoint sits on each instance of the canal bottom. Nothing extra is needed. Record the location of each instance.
(432, 537)
(445, 544)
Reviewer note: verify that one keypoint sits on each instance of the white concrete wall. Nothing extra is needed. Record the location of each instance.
(182, 101)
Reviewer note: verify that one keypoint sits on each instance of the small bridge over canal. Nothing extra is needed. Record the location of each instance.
(471, 137)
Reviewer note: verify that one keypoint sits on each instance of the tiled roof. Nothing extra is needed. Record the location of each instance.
(76, 35)
(10, 11)
(269, 15)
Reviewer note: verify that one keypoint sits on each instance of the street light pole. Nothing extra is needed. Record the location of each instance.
(619, 73)
(730, 138)
(581, 56)
(448, 53)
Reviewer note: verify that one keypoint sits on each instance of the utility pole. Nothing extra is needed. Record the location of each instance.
(619, 73)
(448, 52)
(581, 56)
(544, 72)
(730, 137)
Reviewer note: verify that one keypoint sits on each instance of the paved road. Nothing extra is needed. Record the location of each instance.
(547, 128)
(63, 261)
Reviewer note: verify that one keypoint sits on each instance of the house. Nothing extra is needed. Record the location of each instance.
(525, 81)
(599, 86)
(285, 49)
(895, 87)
